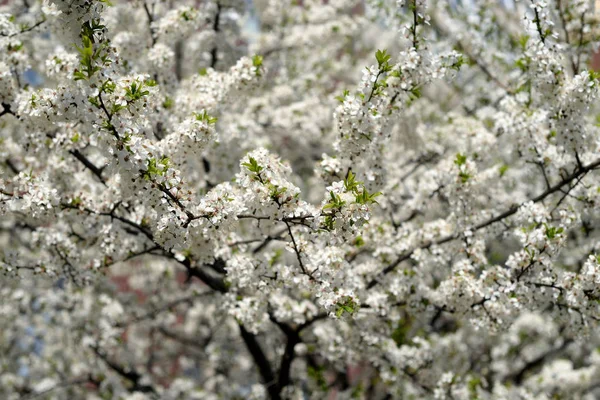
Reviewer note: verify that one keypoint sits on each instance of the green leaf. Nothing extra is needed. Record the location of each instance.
(88, 53)
(316, 374)
(464, 177)
(382, 58)
(186, 16)
(350, 183)
(416, 93)
(78, 75)
(252, 165)
(156, 167)
(473, 383)
(460, 61)
(594, 75)
(523, 39)
(76, 201)
(116, 108)
(203, 116)
(461, 159)
(348, 305)
(335, 202)
(168, 103)
(552, 231)
(342, 98)
(359, 241)
(257, 62)
(365, 197)
(275, 192)
(108, 86)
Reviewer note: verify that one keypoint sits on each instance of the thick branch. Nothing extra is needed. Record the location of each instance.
(7, 110)
(213, 52)
(261, 361)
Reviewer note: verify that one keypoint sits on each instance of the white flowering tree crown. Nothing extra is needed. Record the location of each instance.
(293, 199)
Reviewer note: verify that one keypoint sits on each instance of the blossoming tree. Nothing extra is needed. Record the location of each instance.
(194, 209)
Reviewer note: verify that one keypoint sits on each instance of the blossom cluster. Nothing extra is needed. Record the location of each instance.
(299, 199)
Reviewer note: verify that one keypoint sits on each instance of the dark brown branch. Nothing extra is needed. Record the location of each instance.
(296, 250)
(128, 373)
(293, 338)
(150, 21)
(579, 50)
(112, 215)
(538, 25)
(563, 22)
(7, 110)
(184, 340)
(88, 164)
(214, 282)
(415, 23)
(216, 28)
(12, 166)
(261, 361)
(25, 30)
(512, 210)
(153, 313)
(286, 360)
(536, 362)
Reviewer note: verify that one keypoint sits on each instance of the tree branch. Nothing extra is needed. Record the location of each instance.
(89, 165)
(512, 210)
(216, 28)
(261, 361)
